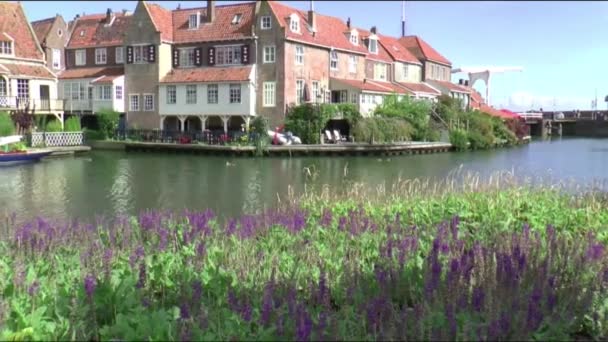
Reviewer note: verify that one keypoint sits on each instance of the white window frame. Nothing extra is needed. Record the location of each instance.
(232, 93)
(228, 55)
(101, 56)
(300, 91)
(171, 94)
(237, 18)
(186, 57)
(7, 48)
(354, 37)
(119, 55)
(315, 91)
(194, 20)
(118, 92)
(80, 57)
(405, 71)
(140, 51)
(294, 23)
(352, 63)
(270, 53)
(269, 94)
(3, 87)
(380, 69)
(213, 92)
(299, 54)
(132, 107)
(333, 60)
(354, 97)
(373, 42)
(145, 97)
(56, 58)
(191, 93)
(23, 84)
(266, 20)
(104, 92)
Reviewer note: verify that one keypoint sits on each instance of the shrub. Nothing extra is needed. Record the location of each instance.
(416, 112)
(382, 130)
(7, 126)
(108, 122)
(480, 141)
(459, 139)
(24, 119)
(72, 125)
(91, 134)
(259, 128)
(53, 126)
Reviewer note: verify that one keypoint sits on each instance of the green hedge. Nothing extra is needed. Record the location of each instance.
(72, 125)
(382, 130)
(108, 122)
(7, 126)
(53, 126)
(459, 139)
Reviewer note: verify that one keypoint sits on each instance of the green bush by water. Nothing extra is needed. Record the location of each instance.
(53, 126)
(459, 139)
(7, 126)
(72, 124)
(108, 122)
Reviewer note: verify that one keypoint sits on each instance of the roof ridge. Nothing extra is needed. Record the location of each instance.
(41, 20)
(217, 6)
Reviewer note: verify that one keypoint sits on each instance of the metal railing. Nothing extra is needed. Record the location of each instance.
(15, 102)
(209, 137)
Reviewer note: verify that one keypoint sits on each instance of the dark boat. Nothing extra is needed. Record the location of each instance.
(22, 157)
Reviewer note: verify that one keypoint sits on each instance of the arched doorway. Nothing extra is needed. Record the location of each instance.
(193, 124)
(171, 123)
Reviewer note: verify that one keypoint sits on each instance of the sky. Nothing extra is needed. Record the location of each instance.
(560, 45)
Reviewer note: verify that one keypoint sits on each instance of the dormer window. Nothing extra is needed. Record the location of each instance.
(354, 37)
(373, 44)
(82, 33)
(294, 23)
(237, 18)
(194, 20)
(6, 47)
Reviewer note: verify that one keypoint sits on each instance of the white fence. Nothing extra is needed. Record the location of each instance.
(49, 139)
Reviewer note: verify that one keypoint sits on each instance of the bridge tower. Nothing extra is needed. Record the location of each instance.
(484, 73)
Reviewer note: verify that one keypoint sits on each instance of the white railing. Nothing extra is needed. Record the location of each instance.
(14, 102)
(52, 139)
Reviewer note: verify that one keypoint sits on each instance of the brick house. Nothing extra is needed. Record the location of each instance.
(93, 78)
(52, 34)
(24, 77)
(204, 74)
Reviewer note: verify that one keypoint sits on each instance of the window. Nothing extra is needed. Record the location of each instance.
(101, 56)
(186, 57)
(269, 54)
(299, 91)
(191, 94)
(354, 97)
(405, 67)
(294, 23)
(299, 54)
(104, 92)
(212, 90)
(56, 59)
(373, 45)
(193, 20)
(237, 18)
(228, 54)
(171, 94)
(23, 88)
(266, 22)
(235, 93)
(333, 60)
(148, 102)
(119, 92)
(60, 32)
(6, 48)
(354, 37)
(380, 72)
(140, 54)
(90, 92)
(120, 55)
(76, 91)
(3, 87)
(315, 91)
(269, 94)
(352, 63)
(81, 57)
(134, 103)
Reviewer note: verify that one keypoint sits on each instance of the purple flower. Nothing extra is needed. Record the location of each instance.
(184, 311)
(197, 291)
(303, 324)
(107, 262)
(90, 283)
(267, 306)
(595, 252)
(141, 282)
(33, 289)
(246, 311)
(478, 298)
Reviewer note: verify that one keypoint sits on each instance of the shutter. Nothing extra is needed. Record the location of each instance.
(245, 54)
(152, 53)
(211, 56)
(129, 55)
(198, 58)
(175, 57)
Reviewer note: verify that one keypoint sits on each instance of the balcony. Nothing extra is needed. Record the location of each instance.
(78, 105)
(40, 105)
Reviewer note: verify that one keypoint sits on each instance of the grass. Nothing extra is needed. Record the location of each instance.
(462, 260)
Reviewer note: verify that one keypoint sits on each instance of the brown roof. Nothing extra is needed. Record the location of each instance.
(419, 88)
(214, 74)
(34, 71)
(162, 19)
(428, 52)
(91, 72)
(91, 31)
(14, 23)
(382, 54)
(330, 31)
(368, 85)
(220, 29)
(42, 28)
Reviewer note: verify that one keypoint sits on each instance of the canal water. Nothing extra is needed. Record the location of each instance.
(110, 183)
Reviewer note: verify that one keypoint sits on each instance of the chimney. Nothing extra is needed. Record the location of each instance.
(77, 16)
(403, 18)
(109, 15)
(210, 11)
(466, 83)
(311, 16)
(373, 30)
(348, 25)
(461, 81)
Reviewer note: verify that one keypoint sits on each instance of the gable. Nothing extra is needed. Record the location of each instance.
(14, 23)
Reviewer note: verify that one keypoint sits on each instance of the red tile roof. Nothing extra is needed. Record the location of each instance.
(419, 88)
(34, 71)
(220, 29)
(476, 99)
(451, 86)
(42, 28)
(329, 30)
(162, 19)
(14, 23)
(213, 74)
(427, 51)
(91, 72)
(397, 51)
(106, 79)
(91, 31)
(382, 54)
(367, 85)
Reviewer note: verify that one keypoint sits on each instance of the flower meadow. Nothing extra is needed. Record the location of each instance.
(478, 266)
